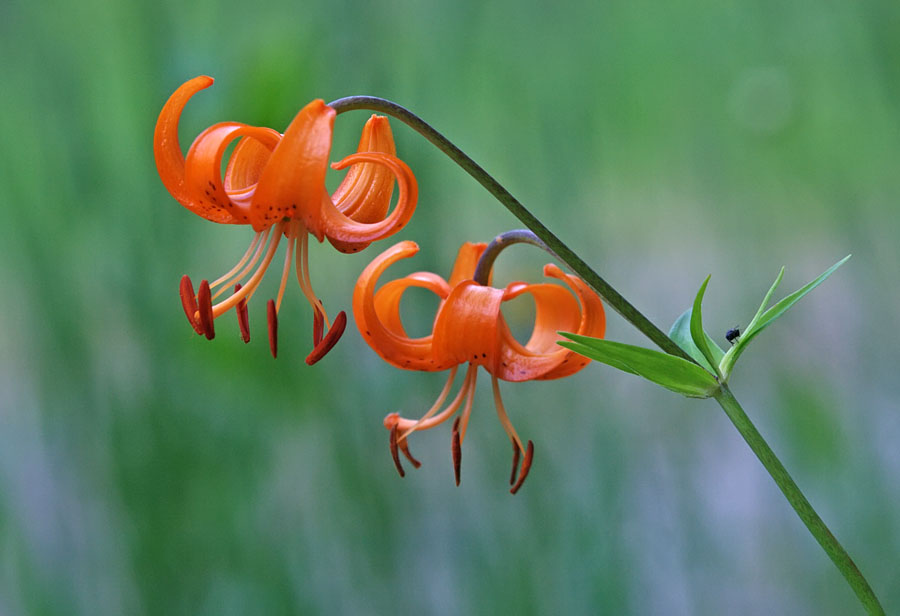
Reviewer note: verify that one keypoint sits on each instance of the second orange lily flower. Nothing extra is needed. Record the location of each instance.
(469, 328)
(276, 184)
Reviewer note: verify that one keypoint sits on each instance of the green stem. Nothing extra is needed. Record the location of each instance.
(566, 255)
(723, 396)
(795, 497)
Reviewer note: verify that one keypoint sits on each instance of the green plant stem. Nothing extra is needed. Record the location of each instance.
(723, 395)
(795, 497)
(604, 289)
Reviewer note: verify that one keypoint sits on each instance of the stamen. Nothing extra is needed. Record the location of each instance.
(404, 447)
(240, 263)
(391, 422)
(394, 453)
(303, 274)
(512, 477)
(272, 315)
(456, 450)
(287, 268)
(189, 302)
(467, 410)
(248, 289)
(504, 418)
(427, 421)
(259, 250)
(331, 338)
(526, 466)
(204, 307)
(437, 403)
(242, 316)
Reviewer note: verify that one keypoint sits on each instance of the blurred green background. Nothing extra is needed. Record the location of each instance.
(144, 470)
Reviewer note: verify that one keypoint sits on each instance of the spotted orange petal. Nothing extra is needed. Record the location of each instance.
(167, 152)
(292, 184)
(203, 169)
(466, 326)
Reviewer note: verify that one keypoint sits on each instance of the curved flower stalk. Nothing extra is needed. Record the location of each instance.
(276, 184)
(469, 328)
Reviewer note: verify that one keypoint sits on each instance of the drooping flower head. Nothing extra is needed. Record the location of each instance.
(276, 184)
(469, 328)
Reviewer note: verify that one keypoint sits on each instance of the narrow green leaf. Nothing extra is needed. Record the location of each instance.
(782, 306)
(673, 373)
(765, 302)
(761, 321)
(681, 334)
(697, 333)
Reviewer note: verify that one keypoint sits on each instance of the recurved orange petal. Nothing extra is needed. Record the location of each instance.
(466, 261)
(365, 193)
(393, 346)
(292, 184)
(167, 151)
(387, 298)
(203, 169)
(593, 320)
(343, 228)
(245, 166)
(556, 309)
(466, 326)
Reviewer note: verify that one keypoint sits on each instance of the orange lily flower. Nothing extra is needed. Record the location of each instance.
(276, 184)
(470, 328)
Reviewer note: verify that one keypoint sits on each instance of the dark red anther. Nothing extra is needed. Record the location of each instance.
(394, 453)
(272, 316)
(189, 302)
(318, 326)
(404, 447)
(456, 450)
(512, 477)
(242, 316)
(526, 466)
(204, 307)
(330, 339)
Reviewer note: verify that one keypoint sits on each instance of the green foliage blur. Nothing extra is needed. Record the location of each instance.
(144, 470)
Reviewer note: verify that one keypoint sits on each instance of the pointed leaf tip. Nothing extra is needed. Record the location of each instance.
(698, 336)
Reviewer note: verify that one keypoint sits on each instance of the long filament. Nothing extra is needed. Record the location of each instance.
(240, 263)
(504, 418)
(437, 403)
(291, 237)
(249, 266)
(447, 412)
(303, 276)
(251, 285)
(467, 410)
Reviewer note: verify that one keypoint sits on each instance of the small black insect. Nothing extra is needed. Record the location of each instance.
(733, 334)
